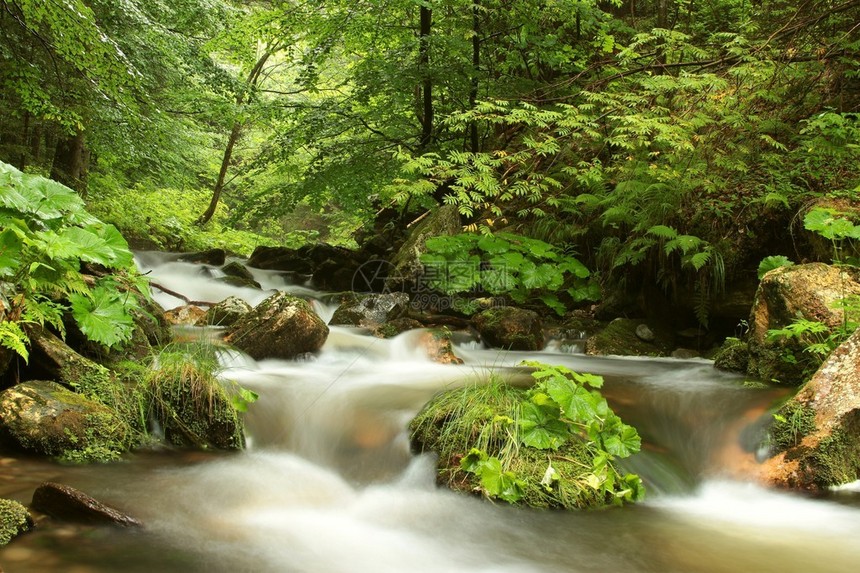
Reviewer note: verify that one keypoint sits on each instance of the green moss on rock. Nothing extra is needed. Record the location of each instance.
(619, 338)
(14, 520)
(733, 356)
(792, 422)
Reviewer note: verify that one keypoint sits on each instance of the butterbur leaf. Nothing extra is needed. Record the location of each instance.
(91, 247)
(122, 257)
(767, 264)
(541, 428)
(472, 461)
(592, 380)
(624, 443)
(10, 250)
(103, 317)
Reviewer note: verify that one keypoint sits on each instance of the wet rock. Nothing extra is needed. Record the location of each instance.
(733, 356)
(407, 267)
(510, 327)
(14, 520)
(51, 358)
(645, 333)
(685, 353)
(619, 338)
(282, 326)
(186, 315)
(397, 326)
(370, 310)
(45, 418)
(227, 312)
(281, 259)
(437, 344)
(817, 433)
(214, 257)
(801, 291)
(238, 270)
(69, 504)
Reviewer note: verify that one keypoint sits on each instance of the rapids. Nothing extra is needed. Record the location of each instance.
(328, 484)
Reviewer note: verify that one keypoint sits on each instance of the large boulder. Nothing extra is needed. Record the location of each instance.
(214, 257)
(14, 520)
(45, 418)
(407, 267)
(816, 435)
(785, 294)
(370, 310)
(70, 504)
(185, 315)
(511, 328)
(281, 259)
(282, 326)
(227, 312)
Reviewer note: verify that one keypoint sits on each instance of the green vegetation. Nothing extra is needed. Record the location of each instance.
(554, 445)
(14, 520)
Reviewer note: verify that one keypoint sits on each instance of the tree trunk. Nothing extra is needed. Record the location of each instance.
(253, 78)
(427, 82)
(69, 166)
(474, 140)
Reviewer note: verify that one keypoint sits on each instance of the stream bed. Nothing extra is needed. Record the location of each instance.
(328, 483)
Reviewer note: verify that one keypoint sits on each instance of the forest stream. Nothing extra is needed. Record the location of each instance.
(328, 484)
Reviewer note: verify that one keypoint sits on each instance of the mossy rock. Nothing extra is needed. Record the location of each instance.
(45, 418)
(227, 312)
(370, 310)
(510, 328)
(732, 356)
(191, 405)
(482, 416)
(619, 338)
(282, 326)
(408, 268)
(14, 520)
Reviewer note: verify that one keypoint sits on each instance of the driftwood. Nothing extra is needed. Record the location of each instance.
(181, 296)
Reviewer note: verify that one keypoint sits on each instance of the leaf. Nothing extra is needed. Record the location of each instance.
(540, 426)
(624, 443)
(103, 317)
(10, 250)
(493, 245)
(767, 264)
(13, 338)
(663, 232)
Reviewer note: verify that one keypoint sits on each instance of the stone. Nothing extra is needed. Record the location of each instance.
(370, 310)
(437, 344)
(214, 257)
(816, 438)
(807, 291)
(282, 326)
(14, 520)
(69, 504)
(185, 315)
(619, 338)
(511, 328)
(45, 418)
(397, 326)
(645, 333)
(733, 356)
(226, 312)
(407, 267)
(238, 270)
(685, 353)
(281, 259)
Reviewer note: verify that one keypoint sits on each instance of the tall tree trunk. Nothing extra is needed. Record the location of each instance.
(427, 81)
(474, 140)
(253, 78)
(69, 166)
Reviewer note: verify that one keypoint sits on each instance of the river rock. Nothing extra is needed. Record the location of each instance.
(14, 520)
(807, 291)
(645, 333)
(407, 267)
(437, 344)
(282, 326)
(817, 433)
(281, 259)
(397, 326)
(227, 312)
(619, 338)
(214, 257)
(45, 418)
(51, 358)
(185, 315)
(510, 327)
(69, 504)
(370, 310)
(733, 356)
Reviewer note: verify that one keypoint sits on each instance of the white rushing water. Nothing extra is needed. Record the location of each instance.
(328, 484)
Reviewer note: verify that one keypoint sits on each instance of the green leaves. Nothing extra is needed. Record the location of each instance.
(48, 235)
(494, 480)
(504, 263)
(767, 264)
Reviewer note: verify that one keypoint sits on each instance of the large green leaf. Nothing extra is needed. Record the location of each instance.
(623, 443)
(10, 251)
(540, 426)
(103, 317)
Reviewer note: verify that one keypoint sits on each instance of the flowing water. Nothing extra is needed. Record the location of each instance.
(328, 484)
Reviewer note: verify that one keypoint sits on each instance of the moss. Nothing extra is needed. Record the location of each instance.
(483, 416)
(14, 520)
(836, 460)
(792, 422)
(619, 338)
(732, 356)
(190, 403)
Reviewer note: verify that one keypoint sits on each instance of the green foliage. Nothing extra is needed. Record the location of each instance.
(47, 236)
(838, 228)
(506, 264)
(773, 262)
(13, 338)
(526, 447)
